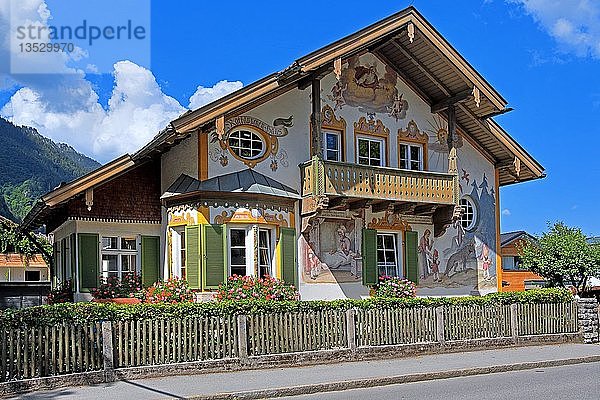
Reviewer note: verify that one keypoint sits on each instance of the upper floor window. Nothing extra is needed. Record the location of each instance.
(412, 148)
(411, 156)
(246, 144)
(332, 150)
(469, 216)
(370, 151)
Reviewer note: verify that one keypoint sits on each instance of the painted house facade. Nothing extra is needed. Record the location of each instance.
(375, 155)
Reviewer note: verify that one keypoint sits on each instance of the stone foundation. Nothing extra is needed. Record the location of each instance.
(588, 320)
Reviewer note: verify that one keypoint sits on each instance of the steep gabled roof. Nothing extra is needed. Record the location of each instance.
(425, 61)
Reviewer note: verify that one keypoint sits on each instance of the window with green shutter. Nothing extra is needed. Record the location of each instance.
(370, 274)
(410, 255)
(193, 256)
(88, 260)
(214, 256)
(150, 260)
(287, 247)
(72, 246)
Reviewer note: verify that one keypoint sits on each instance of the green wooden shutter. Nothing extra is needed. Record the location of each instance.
(370, 272)
(150, 259)
(287, 248)
(193, 256)
(72, 246)
(410, 255)
(88, 260)
(214, 257)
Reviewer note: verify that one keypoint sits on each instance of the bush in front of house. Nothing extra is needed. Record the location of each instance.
(113, 287)
(173, 290)
(62, 293)
(395, 288)
(82, 313)
(237, 288)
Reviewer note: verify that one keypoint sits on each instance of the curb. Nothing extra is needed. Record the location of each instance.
(389, 380)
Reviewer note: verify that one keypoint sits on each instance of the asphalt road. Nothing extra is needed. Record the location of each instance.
(581, 382)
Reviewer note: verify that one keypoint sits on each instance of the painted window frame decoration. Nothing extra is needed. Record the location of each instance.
(469, 217)
(270, 135)
(255, 137)
(412, 136)
(374, 130)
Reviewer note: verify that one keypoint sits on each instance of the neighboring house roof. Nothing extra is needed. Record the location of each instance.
(509, 237)
(427, 63)
(15, 260)
(594, 240)
(246, 181)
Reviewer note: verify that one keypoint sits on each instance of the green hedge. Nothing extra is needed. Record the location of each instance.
(92, 312)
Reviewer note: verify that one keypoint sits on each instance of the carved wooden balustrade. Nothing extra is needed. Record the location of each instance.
(362, 181)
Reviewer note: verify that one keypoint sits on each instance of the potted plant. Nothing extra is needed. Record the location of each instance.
(118, 291)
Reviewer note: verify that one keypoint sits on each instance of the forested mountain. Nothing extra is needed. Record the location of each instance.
(31, 165)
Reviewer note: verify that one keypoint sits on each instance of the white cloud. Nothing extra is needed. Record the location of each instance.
(574, 24)
(506, 212)
(65, 107)
(205, 95)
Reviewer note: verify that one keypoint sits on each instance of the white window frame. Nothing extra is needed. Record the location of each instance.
(269, 250)
(237, 149)
(407, 156)
(252, 242)
(397, 255)
(469, 216)
(178, 261)
(120, 252)
(382, 151)
(248, 255)
(326, 150)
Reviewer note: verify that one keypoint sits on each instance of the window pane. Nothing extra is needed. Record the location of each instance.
(238, 257)
(415, 165)
(363, 148)
(415, 153)
(109, 243)
(109, 262)
(128, 244)
(238, 270)
(331, 140)
(238, 237)
(332, 155)
(128, 262)
(375, 149)
(375, 162)
(380, 256)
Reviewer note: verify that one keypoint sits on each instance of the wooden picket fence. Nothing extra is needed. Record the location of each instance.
(296, 331)
(541, 319)
(152, 342)
(395, 326)
(47, 351)
(476, 322)
(66, 348)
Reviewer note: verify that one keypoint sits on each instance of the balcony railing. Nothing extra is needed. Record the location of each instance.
(362, 181)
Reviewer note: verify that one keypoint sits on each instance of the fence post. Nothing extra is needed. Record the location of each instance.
(107, 351)
(242, 336)
(514, 322)
(351, 329)
(440, 324)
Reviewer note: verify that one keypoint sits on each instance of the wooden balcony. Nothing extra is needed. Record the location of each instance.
(335, 179)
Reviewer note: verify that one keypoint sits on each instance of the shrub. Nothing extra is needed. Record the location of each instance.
(252, 288)
(81, 313)
(113, 287)
(173, 290)
(394, 287)
(62, 293)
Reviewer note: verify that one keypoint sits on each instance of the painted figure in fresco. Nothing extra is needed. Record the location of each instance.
(366, 76)
(435, 266)
(343, 254)
(458, 261)
(337, 95)
(487, 263)
(398, 108)
(460, 232)
(313, 266)
(425, 245)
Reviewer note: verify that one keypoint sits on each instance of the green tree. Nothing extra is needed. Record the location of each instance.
(563, 256)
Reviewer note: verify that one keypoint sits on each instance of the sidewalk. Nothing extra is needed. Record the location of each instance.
(327, 377)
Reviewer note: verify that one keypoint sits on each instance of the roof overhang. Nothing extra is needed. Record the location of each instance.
(54, 199)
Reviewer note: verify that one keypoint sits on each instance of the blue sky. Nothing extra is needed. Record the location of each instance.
(543, 57)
